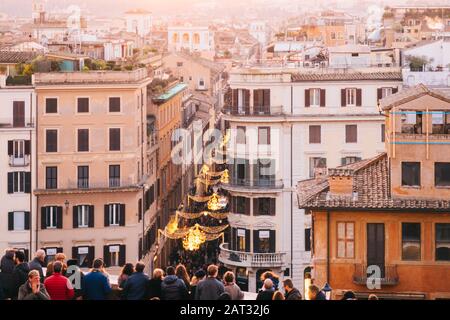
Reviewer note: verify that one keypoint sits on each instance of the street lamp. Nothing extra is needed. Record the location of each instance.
(327, 290)
(66, 204)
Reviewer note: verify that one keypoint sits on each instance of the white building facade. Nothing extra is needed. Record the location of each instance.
(17, 161)
(298, 124)
(139, 22)
(190, 38)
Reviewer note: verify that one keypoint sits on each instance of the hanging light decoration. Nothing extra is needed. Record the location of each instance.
(194, 239)
(204, 170)
(225, 178)
(213, 203)
(172, 226)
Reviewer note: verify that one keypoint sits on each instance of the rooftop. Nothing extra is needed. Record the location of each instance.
(371, 190)
(170, 93)
(410, 94)
(16, 56)
(90, 77)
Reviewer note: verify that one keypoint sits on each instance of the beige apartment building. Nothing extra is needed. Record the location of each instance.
(92, 172)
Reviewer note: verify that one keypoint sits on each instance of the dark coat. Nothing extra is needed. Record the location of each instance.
(265, 295)
(7, 263)
(136, 287)
(173, 288)
(209, 289)
(20, 276)
(96, 286)
(294, 294)
(154, 288)
(25, 293)
(37, 264)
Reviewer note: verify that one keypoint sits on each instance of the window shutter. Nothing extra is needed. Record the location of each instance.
(247, 101)
(255, 241)
(272, 205)
(10, 147)
(379, 93)
(43, 218)
(27, 182)
(10, 182)
(307, 93)
(91, 256)
(106, 212)
(358, 97)
(75, 216)
(322, 97)
(343, 161)
(247, 240)
(394, 90)
(343, 98)
(27, 220)
(10, 221)
(122, 254)
(106, 256)
(59, 218)
(122, 215)
(235, 93)
(75, 255)
(272, 241)
(233, 239)
(247, 170)
(256, 207)
(27, 147)
(266, 97)
(247, 206)
(91, 217)
(59, 250)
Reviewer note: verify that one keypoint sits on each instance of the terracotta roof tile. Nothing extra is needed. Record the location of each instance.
(16, 56)
(346, 76)
(371, 190)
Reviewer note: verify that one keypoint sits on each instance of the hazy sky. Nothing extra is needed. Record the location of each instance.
(116, 7)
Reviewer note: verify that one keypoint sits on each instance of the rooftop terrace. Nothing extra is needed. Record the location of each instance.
(91, 77)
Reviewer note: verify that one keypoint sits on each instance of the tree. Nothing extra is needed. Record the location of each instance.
(417, 63)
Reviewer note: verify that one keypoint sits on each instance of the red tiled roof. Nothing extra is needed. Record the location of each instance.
(410, 94)
(371, 190)
(346, 76)
(16, 56)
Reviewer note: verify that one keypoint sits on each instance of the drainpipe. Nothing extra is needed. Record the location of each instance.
(31, 170)
(292, 184)
(328, 245)
(37, 168)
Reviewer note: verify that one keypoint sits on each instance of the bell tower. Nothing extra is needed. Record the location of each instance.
(38, 11)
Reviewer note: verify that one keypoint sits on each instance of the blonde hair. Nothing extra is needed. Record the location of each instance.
(158, 273)
(33, 273)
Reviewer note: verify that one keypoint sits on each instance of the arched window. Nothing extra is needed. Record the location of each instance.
(186, 38)
(196, 38)
(175, 38)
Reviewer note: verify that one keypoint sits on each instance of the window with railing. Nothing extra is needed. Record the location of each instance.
(440, 122)
(442, 242)
(114, 176)
(83, 177)
(411, 122)
(411, 241)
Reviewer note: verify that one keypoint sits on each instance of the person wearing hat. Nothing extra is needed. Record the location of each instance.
(198, 276)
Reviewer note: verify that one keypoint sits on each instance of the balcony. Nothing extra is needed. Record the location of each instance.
(255, 111)
(19, 162)
(389, 276)
(251, 260)
(256, 183)
(21, 124)
(88, 185)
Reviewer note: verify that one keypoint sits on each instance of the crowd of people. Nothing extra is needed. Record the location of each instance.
(20, 280)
